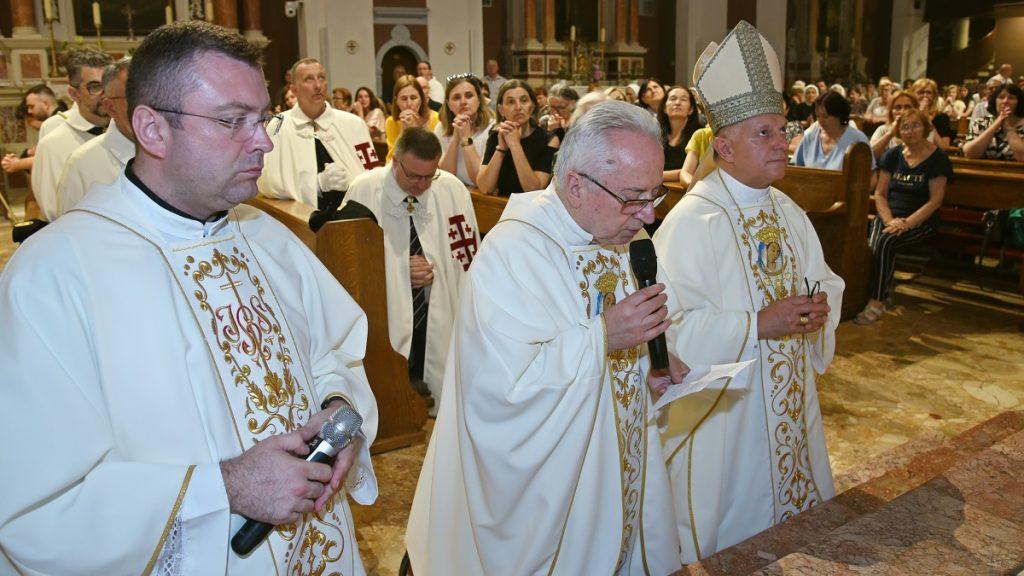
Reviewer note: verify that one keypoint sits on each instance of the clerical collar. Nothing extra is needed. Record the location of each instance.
(741, 192)
(129, 172)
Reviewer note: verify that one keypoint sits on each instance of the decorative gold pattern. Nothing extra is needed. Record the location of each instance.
(170, 521)
(270, 395)
(604, 274)
(775, 271)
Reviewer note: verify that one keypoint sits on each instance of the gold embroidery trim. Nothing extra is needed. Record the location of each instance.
(170, 521)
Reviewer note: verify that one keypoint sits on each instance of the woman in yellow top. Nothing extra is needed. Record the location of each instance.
(408, 109)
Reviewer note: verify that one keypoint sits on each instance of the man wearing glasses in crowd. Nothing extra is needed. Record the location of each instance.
(423, 272)
(544, 457)
(85, 121)
(183, 347)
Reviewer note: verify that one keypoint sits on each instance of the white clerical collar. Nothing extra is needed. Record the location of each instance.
(118, 144)
(743, 194)
(169, 222)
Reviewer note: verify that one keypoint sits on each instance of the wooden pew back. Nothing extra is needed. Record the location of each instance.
(353, 250)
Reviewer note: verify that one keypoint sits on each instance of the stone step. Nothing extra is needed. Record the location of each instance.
(955, 508)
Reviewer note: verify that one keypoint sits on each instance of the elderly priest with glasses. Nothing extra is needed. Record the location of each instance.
(746, 266)
(168, 353)
(430, 239)
(545, 458)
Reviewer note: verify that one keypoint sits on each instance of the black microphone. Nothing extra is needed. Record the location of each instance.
(335, 434)
(645, 269)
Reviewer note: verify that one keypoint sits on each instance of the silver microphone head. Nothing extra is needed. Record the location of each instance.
(339, 429)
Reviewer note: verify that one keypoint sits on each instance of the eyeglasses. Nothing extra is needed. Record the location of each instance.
(632, 206)
(242, 128)
(93, 88)
(417, 177)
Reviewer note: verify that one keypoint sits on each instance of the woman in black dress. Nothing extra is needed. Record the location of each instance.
(679, 119)
(518, 157)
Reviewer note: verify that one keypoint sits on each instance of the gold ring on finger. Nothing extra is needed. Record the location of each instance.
(804, 319)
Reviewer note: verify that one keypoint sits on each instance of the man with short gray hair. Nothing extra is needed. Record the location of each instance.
(101, 160)
(87, 120)
(544, 459)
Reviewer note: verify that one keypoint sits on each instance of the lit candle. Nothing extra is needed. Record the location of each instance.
(209, 10)
(572, 33)
(47, 11)
(827, 41)
(96, 15)
(168, 15)
(601, 38)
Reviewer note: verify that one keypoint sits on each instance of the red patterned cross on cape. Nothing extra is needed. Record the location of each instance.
(463, 239)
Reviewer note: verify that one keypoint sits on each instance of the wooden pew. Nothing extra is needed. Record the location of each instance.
(353, 250)
(488, 209)
(998, 166)
(837, 204)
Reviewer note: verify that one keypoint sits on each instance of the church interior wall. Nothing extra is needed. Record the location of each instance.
(658, 35)
(1009, 32)
(495, 33)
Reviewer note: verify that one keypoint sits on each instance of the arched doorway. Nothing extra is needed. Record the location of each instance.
(396, 59)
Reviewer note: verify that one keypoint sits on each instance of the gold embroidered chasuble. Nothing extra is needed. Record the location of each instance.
(180, 345)
(542, 460)
(747, 453)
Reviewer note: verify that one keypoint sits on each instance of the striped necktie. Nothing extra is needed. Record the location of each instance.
(419, 302)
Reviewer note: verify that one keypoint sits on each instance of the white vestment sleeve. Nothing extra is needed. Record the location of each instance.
(46, 170)
(73, 507)
(338, 331)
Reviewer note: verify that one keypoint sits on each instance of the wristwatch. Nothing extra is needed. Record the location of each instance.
(467, 142)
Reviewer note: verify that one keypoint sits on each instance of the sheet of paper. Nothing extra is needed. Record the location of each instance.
(699, 378)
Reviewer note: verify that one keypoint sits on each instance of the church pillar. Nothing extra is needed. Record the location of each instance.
(908, 46)
(23, 17)
(620, 22)
(225, 13)
(530, 21)
(961, 34)
(771, 21)
(251, 21)
(634, 22)
(812, 42)
(549, 21)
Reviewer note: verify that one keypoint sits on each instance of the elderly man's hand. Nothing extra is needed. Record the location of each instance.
(638, 318)
(660, 380)
(793, 315)
(421, 271)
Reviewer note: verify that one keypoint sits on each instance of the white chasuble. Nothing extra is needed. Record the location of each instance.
(749, 453)
(172, 345)
(447, 230)
(290, 169)
(542, 460)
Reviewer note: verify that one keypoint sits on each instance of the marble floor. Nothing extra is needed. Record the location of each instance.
(947, 356)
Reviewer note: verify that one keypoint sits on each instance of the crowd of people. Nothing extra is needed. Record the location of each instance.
(196, 346)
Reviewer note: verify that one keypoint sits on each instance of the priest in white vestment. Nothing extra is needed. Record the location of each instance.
(742, 258)
(101, 160)
(545, 458)
(317, 150)
(177, 350)
(83, 122)
(439, 206)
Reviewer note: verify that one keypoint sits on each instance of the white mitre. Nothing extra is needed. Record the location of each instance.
(739, 78)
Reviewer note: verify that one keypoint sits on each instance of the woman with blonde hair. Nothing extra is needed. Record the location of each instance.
(616, 93)
(465, 122)
(409, 109)
(927, 92)
(884, 136)
(878, 108)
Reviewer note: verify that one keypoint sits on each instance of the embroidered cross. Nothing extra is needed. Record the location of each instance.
(463, 237)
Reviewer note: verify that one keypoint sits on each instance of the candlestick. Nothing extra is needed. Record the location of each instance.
(827, 41)
(47, 11)
(98, 23)
(168, 15)
(572, 33)
(209, 11)
(601, 36)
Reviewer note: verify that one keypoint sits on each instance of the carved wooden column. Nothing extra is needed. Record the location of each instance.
(634, 22)
(225, 13)
(23, 18)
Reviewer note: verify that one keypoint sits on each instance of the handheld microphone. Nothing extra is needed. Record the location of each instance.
(645, 268)
(335, 434)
